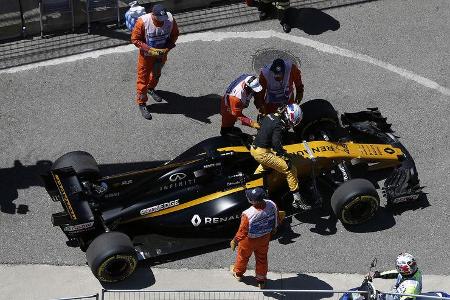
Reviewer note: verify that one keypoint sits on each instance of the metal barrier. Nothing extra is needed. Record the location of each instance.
(27, 51)
(47, 7)
(94, 6)
(222, 294)
(95, 296)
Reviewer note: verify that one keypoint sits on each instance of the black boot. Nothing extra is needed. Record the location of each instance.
(282, 16)
(264, 10)
(145, 112)
(154, 95)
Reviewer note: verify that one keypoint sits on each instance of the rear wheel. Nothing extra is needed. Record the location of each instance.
(320, 121)
(111, 257)
(82, 162)
(355, 201)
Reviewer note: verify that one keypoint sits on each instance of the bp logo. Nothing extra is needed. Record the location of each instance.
(196, 220)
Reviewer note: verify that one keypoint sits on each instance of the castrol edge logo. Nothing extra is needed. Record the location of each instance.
(159, 207)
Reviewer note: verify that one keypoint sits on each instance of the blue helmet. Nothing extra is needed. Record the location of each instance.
(255, 194)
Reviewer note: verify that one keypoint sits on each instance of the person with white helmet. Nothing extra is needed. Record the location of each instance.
(408, 278)
(237, 97)
(253, 236)
(267, 148)
(278, 81)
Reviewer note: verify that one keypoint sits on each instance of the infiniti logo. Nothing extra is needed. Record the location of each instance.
(177, 177)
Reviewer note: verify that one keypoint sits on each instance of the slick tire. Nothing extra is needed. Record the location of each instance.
(111, 257)
(355, 201)
(82, 162)
(318, 115)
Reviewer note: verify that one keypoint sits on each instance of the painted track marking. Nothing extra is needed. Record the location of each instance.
(210, 36)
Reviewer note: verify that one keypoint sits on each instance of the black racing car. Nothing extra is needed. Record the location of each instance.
(197, 198)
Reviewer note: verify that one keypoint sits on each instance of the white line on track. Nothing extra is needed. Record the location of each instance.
(220, 36)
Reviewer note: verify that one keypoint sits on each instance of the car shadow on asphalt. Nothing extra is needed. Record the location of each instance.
(197, 108)
(142, 278)
(312, 21)
(21, 176)
(300, 282)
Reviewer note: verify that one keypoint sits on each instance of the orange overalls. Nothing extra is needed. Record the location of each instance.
(253, 236)
(149, 67)
(275, 94)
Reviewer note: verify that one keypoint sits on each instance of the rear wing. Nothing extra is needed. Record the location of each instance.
(64, 186)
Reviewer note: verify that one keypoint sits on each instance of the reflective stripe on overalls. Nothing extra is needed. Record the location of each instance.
(261, 222)
(157, 37)
(236, 89)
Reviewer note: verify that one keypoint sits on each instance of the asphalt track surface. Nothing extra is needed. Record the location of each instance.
(88, 105)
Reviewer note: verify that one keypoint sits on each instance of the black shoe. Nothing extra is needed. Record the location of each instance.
(299, 203)
(154, 95)
(145, 112)
(286, 27)
(263, 15)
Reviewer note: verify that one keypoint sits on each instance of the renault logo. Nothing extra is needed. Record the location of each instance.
(196, 220)
(177, 177)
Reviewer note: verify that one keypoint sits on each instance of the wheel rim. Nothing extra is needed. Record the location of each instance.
(117, 267)
(360, 209)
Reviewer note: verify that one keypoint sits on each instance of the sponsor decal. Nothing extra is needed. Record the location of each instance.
(127, 182)
(177, 184)
(389, 150)
(78, 227)
(197, 220)
(64, 197)
(177, 177)
(159, 207)
(405, 198)
(212, 165)
(317, 150)
(344, 172)
(110, 195)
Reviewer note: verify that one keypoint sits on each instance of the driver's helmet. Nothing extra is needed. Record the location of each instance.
(406, 264)
(292, 115)
(253, 83)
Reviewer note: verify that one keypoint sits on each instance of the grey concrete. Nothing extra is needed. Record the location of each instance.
(89, 105)
(38, 282)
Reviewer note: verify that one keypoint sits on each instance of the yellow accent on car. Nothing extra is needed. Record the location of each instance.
(210, 197)
(64, 197)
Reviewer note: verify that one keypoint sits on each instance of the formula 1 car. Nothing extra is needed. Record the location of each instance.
(197, 198)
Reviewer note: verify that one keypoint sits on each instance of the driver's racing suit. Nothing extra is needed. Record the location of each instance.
(403, 285)
(267, 149)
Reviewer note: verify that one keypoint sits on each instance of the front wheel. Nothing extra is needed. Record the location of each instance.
(111, 257)
(355, 201)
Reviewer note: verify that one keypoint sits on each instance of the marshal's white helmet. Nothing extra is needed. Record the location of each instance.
(253, 83)
(406, 264)
(293, 115)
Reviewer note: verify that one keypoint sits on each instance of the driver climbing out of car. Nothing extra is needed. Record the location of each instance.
(267, 148)
(236, 98)
(253, 236)
(278, 81)
(408, 278)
